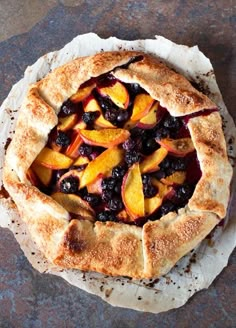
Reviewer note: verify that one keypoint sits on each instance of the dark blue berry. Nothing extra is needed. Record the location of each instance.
(117, 188)
(135, 88)
(162, 133)
(118, 171)
(85, 150)
(178, 164)
(69, 185)
(108, 183)
(184, 192)
(115, 204)
(68, 108)
(106, 216)
(129, 144)
(172, 123)
(89, 117)
(167, 207)
(93, 199)
(107, 195)
(132, 157)
(111, 115)
(149, 146)
(146, 179)
(149, 191)
(122, 116)
(159, 174)
(105, 103)
(62, 139)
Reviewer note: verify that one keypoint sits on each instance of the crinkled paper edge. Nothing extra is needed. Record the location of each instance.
(196, 270)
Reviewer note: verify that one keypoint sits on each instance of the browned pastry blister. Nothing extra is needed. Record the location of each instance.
(115, 248)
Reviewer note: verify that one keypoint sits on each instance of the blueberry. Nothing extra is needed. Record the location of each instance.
(105, 103)
(135, 88)
(165, 164)
(68, 108)
(132, 157)
(172, 123)
(146, 179)
(69, 185)
(85, 150)
(117, 188)
(159, 174)
(115, 204)
(129, 144)
(149, 146)
(178, 164)
(107, 195)
(149, 191)
(93, 199)
(162, 133)
(167, 207)
(62, 139)
(122, 116)
(184, 192)
(89, 117)
(108, 183)
(118, 171)
(111, 115)
(106, 216)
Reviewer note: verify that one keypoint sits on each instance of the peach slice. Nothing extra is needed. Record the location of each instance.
(177, 177)
(163, 190)
(178, 147)
(105, 137)
(81, 160)
(142, 104)
(150, 163)
(150, 119)
(123, 216)
(43, 173)
(80, 125)
(53, 160)
(152, 204)
(132, 192)
(117, 92)
(82, 93)
(73, 149)
(67, 123)
(103, 164)
(93, 106)
(74, 204)
(96, 186)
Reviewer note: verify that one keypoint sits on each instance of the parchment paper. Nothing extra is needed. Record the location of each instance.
(196, 270)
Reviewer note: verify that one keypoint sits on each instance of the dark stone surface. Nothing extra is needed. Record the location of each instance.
(29, 299)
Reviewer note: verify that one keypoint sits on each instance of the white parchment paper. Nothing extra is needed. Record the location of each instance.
(196, 270)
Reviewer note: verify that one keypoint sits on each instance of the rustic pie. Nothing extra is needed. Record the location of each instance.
(118, 165)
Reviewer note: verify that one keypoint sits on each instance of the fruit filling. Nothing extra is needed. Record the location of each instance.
(117, 155)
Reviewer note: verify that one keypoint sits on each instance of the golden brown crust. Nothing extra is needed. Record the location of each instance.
(113, 248)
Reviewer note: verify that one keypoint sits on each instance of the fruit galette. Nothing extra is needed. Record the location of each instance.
(118, 165)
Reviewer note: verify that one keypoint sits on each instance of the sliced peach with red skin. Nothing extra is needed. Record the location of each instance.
(92, 105)
(142, 104)
(132, 192)
(150, 119)
(43, 173)
(178, 147)
(102, 164)
(152, 204)
(53, 160)
(151, 162)
(68, 122)
(117, 92)
(105, 137)
(75, 204)
(73, 149)
(82, 93)
(177, 177)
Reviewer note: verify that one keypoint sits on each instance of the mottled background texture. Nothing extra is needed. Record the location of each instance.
(29, 29)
